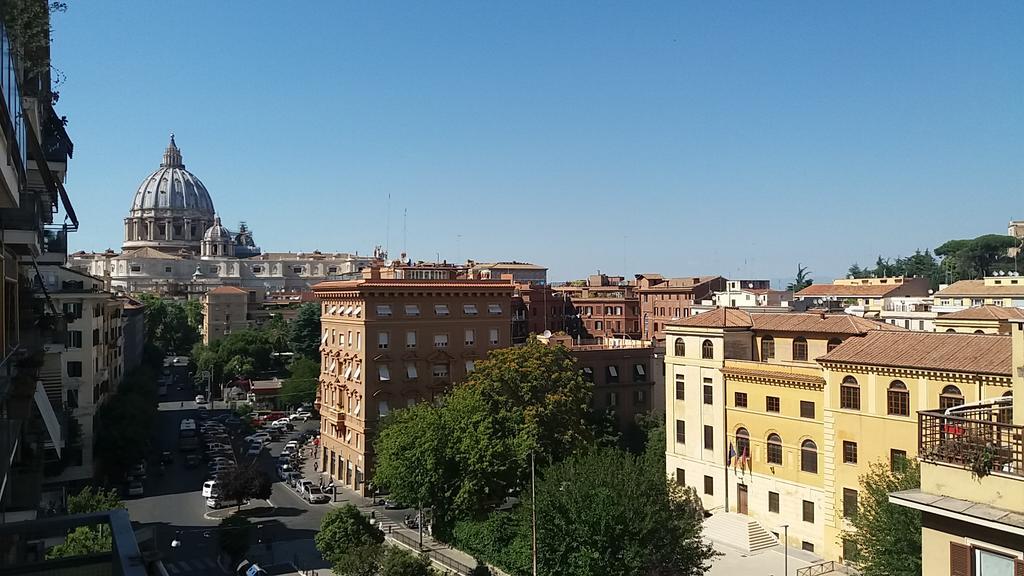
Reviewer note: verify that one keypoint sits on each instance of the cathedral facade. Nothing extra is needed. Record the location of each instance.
(175, 245)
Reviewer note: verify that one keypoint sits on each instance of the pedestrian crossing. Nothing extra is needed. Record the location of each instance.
(191, 566)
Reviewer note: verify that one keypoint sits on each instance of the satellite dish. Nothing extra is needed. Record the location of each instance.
(546, 334)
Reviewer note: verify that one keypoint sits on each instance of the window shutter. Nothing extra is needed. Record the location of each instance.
(1018, 568)
(959, 559)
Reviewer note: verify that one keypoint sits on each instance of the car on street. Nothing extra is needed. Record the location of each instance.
(392, 504)
(258, 437)
(300, 486)
(292, 445)
(214, 503)
(254, 451)
(200, 399)
(314, 495)
(135, 488)
(283, 471)
(210, 488)
(302, 415)
(280, 423)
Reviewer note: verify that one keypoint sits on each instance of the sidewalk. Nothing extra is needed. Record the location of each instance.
(448, 560)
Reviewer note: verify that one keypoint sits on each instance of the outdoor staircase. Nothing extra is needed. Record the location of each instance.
(739, 531)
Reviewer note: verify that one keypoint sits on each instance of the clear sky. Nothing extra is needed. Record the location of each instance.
(735, 138)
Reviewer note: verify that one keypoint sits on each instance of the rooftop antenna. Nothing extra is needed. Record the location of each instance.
(405, 247)
(387, 227)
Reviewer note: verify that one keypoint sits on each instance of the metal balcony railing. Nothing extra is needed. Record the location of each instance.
(982, 440)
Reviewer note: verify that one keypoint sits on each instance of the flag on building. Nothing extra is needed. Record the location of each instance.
(732, 454)
(743, 458)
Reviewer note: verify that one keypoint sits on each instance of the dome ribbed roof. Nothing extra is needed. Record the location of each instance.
(217, 233)
(171, 187)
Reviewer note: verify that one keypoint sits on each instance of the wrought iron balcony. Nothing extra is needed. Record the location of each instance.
(981, 439)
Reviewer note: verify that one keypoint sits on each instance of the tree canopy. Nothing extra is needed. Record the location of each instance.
(302, 382)
(305, 331)
(400, 562)
(344, 536)
(172, 325)
(245, 482)
(125, 422)
(244, 353)
(802, 279)
(977, 257)
(886, 536)
(85, 540)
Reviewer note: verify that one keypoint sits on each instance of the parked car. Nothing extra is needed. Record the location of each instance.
(200, 399)
(281, 423)
(135, 488)
(302, 415)
(314, 495)
(214, 502)
(209, 488)
(260, 437)
(254, 451)
(391, 504)
(284, 471)
(300, 486)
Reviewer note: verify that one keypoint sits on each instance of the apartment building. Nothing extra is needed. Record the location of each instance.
(225, 310)
(664, 300)
(810, 402)
(518, 272)
(1001, 290)
(971, 497)
(863, 296)
(537, 308)
(985, 319)
(388, 343)
(607, 306)
(627, 375)
(910, 312)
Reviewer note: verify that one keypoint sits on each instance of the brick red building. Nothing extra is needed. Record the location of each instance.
(607, 306)
(665, 299)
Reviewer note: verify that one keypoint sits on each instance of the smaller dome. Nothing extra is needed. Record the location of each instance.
(217, 233)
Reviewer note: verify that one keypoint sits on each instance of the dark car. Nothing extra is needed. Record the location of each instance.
(192, 461)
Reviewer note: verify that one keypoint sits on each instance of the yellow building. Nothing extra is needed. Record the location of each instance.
(985, 319)
(972, 476)
(807, 402)
(992, 290)
(225, 310)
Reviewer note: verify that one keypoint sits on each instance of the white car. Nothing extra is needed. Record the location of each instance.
(209, 488)
(200, 399)
(292, 445)
(300, 415)
(261, 437)
(280, 423)
(254, 451)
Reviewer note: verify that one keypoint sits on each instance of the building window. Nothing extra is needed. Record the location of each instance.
(809, 456)
(383, 311)
(410, 371)
(74, 338)
(72, 310)
(709, 394)
(707, 350)
(469, 309)
(493, 337)
(898, 400)
(494, 309)
(440, 370)
(849, 394)
(588, 374)
(808, 511)
(441, 310)
(412, 310)
(75, 369)
(709, 438)
(136, 268)
(470, 366)
(897, 459)
(740, 399)
(598, 325)
(383, 372)
(800, 349)
(95, 336)
(613, 374)
(680, 387)
(257, 269)
(849, 503)
(440, 340)
(470, 337)
(767, 348)
(639, 373)
(410, 339)
(709, 485)
(680, 477)
(613, 399)
(774, 449)
(849, 452)
(951, 396)
(742, 443)
(680, 432)
(772, 404)
(680, 347)
(833, 343)
(806, 409)
(807, 546)
(383, 339)
(297, 269)
(639, 397)
(773, 502)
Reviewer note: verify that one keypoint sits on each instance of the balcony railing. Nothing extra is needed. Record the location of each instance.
(981, 439)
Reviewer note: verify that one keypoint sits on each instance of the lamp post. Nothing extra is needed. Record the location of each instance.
(785, 538)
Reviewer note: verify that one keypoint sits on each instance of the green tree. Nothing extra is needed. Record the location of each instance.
(400, 562)
(607, 512)
(123, 431)
(301, 385)
(98, 500)
(234, 536)
(85, 540)
(360, 561)
(802, 279)
(305, 331)
(172, 325)
(978, 257)
(194, 314)
(239, 366)
(887, 537)
(343, 531)
(245, 483)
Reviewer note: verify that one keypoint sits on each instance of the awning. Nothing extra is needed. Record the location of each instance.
(49, 416)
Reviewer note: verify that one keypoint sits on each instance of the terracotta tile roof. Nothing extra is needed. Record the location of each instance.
(774, 375)
(858, 291)
(421, 284)
(818, 323)
(227, 290)
(978, 288)
(969, 353)
(985, 313)
(717, 318)
(677, 284)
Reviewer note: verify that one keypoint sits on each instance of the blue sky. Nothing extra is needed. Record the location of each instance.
(680, 138)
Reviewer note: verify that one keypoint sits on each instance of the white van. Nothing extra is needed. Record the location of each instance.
(210, 489)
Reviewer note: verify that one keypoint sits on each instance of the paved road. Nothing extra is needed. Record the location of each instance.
(173, 506)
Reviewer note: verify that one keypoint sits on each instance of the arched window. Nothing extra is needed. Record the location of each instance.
(809, 456)
(1005, 413)
(849, 394)
(742, 442)
(680, 347)
(833, 344)
(767, 348)
(898, 400)
(707, 350)
(774, 449)
(800, 348)
(951, 396)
